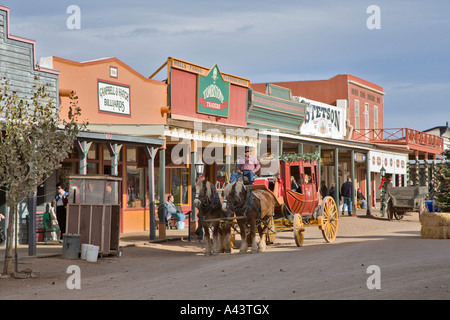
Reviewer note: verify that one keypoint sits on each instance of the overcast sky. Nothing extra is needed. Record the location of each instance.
(265, 41)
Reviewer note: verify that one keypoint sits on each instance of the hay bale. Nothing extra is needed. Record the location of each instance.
(432, 232)
(435, 219)
(435, 225)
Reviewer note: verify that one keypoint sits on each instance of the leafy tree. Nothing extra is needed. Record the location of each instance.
(442, 193)
(33, 144)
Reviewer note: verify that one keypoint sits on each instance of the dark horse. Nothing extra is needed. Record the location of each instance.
(256, 207)
(209, 203)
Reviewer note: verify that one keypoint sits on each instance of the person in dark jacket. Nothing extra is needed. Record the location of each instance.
(332, 192)
(323, 190)
(346, 193)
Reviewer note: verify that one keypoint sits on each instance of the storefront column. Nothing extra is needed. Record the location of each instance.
(319, 173)
(162, 191)
(114, 150)
(150, 152)
(228, 160)
(280, 147)
(83, 149)
(417, 169)
(193, 220)
(352, 170)
(336, 176)
(300, 148)
(368, 193)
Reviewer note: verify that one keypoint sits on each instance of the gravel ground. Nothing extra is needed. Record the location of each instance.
(409, 268)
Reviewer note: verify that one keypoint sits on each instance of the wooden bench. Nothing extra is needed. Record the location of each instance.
(44, 225)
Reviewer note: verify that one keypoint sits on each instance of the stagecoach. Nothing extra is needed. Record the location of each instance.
(295, 186)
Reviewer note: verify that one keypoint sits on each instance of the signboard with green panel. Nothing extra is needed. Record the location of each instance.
(213, 94)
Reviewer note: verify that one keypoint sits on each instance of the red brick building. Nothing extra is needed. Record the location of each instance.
(363, 99)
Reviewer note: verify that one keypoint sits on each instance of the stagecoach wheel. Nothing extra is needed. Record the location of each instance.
(398, 215)
(271, 233)
(330, 216)
(299, 231)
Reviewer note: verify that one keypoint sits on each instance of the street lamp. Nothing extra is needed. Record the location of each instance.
(383, 172)
(199, 167)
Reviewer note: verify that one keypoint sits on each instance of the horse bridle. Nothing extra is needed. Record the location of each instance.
(243, 206)
(212, 205)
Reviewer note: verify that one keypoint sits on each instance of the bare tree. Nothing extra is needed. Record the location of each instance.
(33, 144)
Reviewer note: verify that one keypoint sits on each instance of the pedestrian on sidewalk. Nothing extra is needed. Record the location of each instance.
(346, 193)
(61, 200)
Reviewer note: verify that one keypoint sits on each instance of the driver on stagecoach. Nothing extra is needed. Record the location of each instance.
(247, 167)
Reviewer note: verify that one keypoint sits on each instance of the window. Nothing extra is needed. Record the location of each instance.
(135, 186)
(135, 181)
(375, 117)
(356, 114)
(366, 116)
(179, 185)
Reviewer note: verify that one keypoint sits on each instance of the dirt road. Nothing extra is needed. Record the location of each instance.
(409, 268)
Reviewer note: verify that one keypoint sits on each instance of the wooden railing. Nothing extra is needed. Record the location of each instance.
(403, 136)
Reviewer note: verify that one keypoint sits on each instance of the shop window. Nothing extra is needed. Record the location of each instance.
(131, 154)
(93, 152)
(366, 115)
(356, 114)
(92, 168)
(107, 154)
(179, 185)
(135, 187)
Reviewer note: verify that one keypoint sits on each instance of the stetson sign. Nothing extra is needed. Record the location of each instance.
(113, 98)
(213, 94)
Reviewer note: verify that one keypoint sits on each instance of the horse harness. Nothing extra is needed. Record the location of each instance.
(212, 206)
(246, 205)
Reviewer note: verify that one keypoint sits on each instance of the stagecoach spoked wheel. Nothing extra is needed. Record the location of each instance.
(299, 231)
(330, 216)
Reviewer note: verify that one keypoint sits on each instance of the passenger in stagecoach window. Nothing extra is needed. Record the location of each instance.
(307, 179)
(294, 184)
(247, 167)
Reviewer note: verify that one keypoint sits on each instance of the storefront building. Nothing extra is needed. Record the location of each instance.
(18, 67)
(325, 129)
(206, 123)
(120, 106)
(363, 102)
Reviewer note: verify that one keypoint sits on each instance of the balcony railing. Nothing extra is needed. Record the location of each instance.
(403, 136)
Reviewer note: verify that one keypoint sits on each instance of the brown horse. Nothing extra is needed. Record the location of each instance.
(209, 203)
(256, 207)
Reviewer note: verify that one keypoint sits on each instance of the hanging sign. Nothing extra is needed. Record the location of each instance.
(322, 119)
(213, 94)
(113, 98)
(360, 157)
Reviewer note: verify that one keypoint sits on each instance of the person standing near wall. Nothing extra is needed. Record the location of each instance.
(346, 193)
(61, 200)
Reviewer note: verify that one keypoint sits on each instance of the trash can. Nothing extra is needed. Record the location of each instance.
(71, 246)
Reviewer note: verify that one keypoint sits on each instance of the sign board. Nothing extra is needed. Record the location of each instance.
(113, 98)
(322, 120)
(392, 162)
(213, 94)
(360, 157)
(202, 71)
